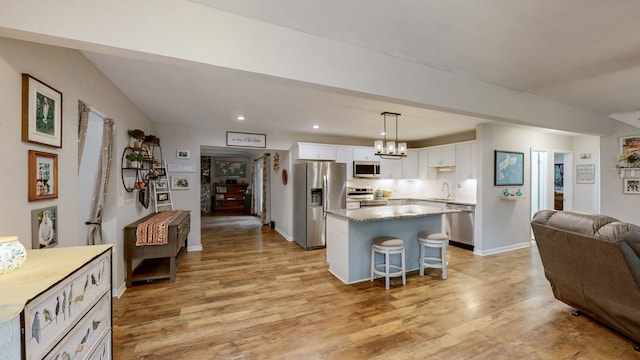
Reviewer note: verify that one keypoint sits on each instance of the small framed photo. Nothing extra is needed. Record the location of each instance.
(44, 227)
(162, 197)
(43, 175)
(179, 182)
(629, 144)
(41, 113)
(161, 171)
(183, 154)
(508, 168)
(162, 185)
(632, 186)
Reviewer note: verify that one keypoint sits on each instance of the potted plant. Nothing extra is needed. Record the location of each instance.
(135, 160)
(138, 136)
(631, 160)
(152, 140)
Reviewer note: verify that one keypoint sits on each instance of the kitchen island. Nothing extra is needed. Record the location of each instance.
(350, 231)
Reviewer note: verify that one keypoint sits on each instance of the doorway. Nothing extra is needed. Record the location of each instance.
(562, 180)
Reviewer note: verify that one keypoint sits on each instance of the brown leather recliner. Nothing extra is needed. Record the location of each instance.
(593, 264)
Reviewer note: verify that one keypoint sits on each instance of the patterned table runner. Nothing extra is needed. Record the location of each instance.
(155, 230)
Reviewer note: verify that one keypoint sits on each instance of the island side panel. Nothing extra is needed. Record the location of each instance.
(338, 247)
(361, 233)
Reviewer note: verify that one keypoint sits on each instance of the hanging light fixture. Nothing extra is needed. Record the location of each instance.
(387, 149)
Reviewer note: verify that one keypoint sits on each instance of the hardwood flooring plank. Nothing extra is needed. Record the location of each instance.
(250, 294)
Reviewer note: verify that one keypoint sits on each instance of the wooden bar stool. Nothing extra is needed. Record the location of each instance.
(432, 240)
(387, 246)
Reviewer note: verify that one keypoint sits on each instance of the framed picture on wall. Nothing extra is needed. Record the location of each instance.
(631, 186)
(179, 182)
(508, 168)
(234, 168)
(43, 175)
(44, 227)
(41, 113)
(629, 144)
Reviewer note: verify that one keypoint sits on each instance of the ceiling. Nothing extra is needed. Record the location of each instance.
(584, 53)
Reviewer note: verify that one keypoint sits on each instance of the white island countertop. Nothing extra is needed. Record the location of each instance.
(389, 212)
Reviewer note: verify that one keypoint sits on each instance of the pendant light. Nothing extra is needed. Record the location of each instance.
(387, 149)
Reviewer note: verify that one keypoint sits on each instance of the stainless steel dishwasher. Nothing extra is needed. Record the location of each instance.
(460, 225)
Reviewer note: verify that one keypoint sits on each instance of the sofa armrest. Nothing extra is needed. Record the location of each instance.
(630, 246)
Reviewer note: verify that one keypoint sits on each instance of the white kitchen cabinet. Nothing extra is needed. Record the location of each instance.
(423, 164)
(344, 154)
(365, 154)
(65, 309)
(390, 169)
(465, 161)
(410, 165)
(440, 156)
(311, 151)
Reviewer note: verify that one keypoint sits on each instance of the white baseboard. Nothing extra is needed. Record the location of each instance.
(503, 249)
(284, 234)
(118, 292)
(194, 248)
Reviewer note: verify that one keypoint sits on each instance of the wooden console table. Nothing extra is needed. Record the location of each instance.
(178, 233)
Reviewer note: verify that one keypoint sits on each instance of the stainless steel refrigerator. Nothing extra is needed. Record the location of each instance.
(317, 187)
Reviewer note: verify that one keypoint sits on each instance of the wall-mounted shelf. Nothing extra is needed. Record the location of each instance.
(622, 171)
(512, 197)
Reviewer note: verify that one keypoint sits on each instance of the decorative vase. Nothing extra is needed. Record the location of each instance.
(12, 253)
(505, 192)
(519, 193)
(137, 144)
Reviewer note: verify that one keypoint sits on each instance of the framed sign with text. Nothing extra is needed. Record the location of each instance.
(246, 139)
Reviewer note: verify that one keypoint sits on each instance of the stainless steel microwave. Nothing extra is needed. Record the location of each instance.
(366, 169)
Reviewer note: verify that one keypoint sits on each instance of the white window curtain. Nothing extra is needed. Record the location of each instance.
(94, 223)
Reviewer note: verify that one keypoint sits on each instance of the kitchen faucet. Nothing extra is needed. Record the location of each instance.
(448, 191)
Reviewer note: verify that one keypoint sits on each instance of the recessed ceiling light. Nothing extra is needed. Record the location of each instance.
(240, 117)
(383, 133)
(316, 126)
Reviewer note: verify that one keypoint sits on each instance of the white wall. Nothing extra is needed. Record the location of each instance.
(614, 202)
(503, 225)
(282, 196)
(70, 73)
(586, 197)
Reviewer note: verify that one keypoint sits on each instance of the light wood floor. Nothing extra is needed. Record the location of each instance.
(250, 294)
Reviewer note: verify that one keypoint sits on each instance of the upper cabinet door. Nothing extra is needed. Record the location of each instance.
(364, 154)
(410, 165)
(442, 156)
(309, 151)
(465, 161)
(344, 154)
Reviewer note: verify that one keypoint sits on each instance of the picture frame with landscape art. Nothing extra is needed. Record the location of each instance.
(43, 175)
(508, 168)
(44, 227)
(41, 113)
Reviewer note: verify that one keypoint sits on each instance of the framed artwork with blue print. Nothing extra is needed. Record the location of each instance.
(509, 168)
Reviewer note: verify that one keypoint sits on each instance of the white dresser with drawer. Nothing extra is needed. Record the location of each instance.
(58, 305)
